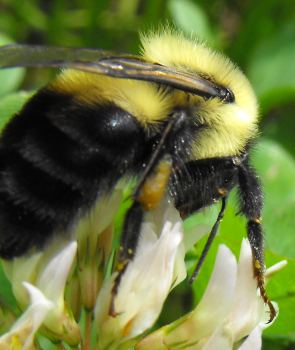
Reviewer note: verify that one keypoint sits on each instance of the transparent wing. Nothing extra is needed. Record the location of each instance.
(107, 63)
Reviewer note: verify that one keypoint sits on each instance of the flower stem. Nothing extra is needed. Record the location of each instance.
(87, 331)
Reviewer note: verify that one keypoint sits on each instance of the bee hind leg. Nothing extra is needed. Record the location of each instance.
(251, 199)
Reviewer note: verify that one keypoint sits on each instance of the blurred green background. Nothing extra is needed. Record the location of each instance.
(260, 37)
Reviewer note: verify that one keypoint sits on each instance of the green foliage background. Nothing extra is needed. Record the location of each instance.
(259, 36)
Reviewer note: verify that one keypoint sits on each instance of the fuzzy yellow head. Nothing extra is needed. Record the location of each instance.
(230, 125)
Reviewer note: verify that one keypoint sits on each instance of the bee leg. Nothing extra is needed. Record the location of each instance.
(149, 197)
(162, 149)
(129, 240)
(251, 206)
(209, 241)
(199, 184)
(231, 171)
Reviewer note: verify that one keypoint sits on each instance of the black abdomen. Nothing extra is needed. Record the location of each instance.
(56, 157)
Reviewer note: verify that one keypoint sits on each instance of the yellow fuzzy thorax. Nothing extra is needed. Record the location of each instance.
(143, 100)
(230, 125)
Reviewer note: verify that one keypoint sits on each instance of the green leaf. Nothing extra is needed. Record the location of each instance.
(10, 78)
(5, 289)
(281, 289)
(279, 125)
(272, 68)
(191, 18)
(276, 167)
(11, 104)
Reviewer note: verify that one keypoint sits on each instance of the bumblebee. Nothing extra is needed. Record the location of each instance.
(180, 118)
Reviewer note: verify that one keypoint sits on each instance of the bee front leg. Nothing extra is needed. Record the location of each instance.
(148, 198)
(147, 195)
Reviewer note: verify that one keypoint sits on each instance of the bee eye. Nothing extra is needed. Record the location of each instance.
(229, 96)
(226, 94)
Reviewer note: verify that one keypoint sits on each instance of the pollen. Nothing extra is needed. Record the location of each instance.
(154, 187)
(222, 192)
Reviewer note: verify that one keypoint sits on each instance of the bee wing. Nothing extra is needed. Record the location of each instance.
(47, 56)
(106, 63)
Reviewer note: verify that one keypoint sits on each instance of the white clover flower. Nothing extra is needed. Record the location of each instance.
(144, 285)
(94, 234)
(231, 314)
(59, 321)
(21, 335)
(19, 270)
(230, 310)
(253, 341)
(48, 272)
